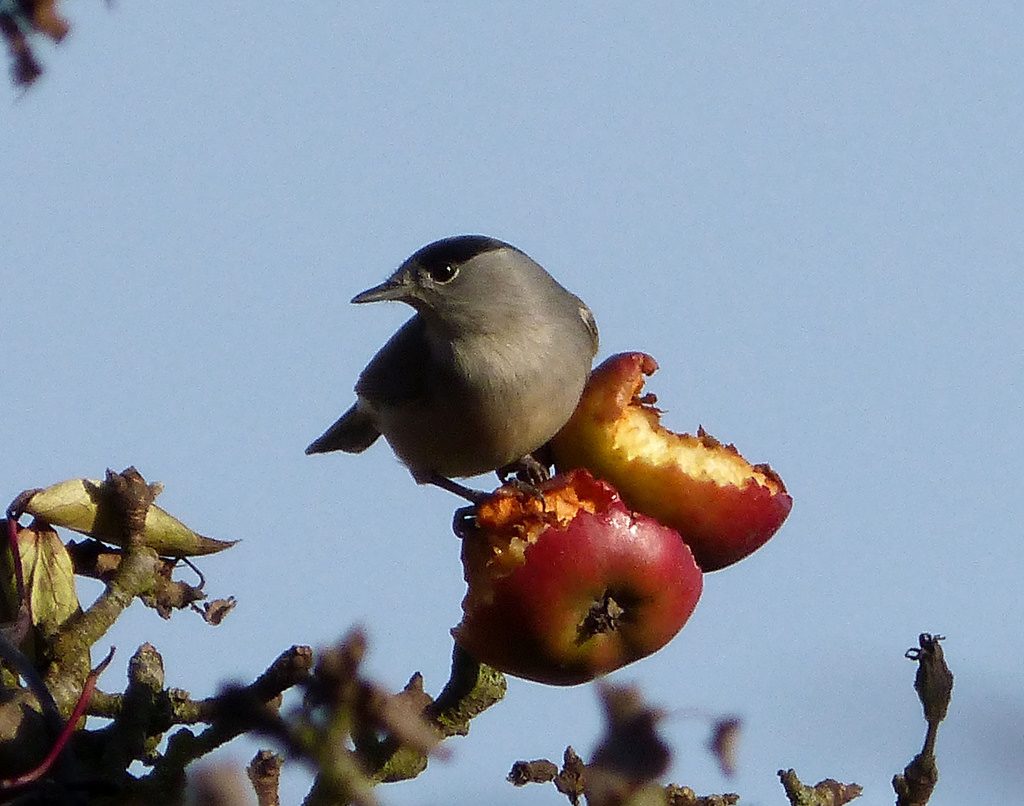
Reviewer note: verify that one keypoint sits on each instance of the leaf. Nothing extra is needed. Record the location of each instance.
(49, 580)
(49, 577)
(84, 506)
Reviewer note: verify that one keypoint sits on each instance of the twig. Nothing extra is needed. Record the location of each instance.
(472, 688)
(824, 793)
(934, 685)
(264, 773)
(234, 711)
(93, 559)
(14, 657)
(138, 573)
(66, 731)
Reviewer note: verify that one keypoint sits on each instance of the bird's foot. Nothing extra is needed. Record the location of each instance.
(529, 473)
(528, 470)
(461, 490)
(529, 489)
(464, 521)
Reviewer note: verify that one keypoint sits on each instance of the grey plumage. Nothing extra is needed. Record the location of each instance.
(488, 369)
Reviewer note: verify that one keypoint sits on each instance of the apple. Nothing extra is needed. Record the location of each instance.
(723, 506)
(569, 584)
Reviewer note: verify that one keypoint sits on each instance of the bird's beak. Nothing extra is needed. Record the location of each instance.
(392, 288)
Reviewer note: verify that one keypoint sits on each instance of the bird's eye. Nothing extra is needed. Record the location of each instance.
(444, 273)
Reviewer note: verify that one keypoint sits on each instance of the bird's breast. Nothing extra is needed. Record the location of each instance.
(490, 402)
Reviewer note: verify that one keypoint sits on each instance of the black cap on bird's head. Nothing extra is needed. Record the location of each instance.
(433, 266)
(457, 249)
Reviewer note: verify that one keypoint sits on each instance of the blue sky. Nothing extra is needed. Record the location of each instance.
(811, 216)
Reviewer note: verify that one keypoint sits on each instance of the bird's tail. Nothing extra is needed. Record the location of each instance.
(353, 433)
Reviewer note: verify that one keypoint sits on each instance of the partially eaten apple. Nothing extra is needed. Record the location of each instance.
(723, 506)
(569, 585)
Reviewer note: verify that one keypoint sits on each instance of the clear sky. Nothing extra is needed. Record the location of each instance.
(810, 215)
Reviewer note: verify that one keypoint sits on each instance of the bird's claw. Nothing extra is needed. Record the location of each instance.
(529, 489)
(527, 470)
(464, 521)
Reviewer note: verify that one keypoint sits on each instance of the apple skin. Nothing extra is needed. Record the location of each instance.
(724, 507)
(538, 607)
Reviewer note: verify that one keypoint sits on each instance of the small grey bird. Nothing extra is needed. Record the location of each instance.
(489, 368)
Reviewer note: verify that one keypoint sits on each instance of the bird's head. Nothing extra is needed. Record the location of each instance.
(466, 282)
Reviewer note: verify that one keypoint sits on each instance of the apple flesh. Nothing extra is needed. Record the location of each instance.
(723, 506)
(565, 589)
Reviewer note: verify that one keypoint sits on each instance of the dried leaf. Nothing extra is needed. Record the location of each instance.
(47, 20)
(724, 740)
(538, 771)
(214, 612)
(631, 746)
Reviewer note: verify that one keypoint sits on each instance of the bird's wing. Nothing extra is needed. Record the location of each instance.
(399, 372)
(591, 324)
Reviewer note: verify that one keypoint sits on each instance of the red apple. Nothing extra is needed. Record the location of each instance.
(573, 586)
(723, 506)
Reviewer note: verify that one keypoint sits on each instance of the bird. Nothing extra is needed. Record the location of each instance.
(490, 366)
